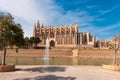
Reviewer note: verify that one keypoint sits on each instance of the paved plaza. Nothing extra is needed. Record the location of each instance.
(60, 73)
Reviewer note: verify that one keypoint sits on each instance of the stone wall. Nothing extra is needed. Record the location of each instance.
(103, 53)
(37, 53)
(95, 53)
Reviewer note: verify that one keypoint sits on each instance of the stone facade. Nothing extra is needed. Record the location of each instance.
(102, 44)
(86, 38)
(63, 35)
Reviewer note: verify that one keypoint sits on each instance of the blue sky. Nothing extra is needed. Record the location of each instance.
(100, 17)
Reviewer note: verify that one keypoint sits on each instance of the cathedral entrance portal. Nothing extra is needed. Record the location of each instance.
(52, 43)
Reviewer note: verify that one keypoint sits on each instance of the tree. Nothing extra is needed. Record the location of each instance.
(26, 42)
(17, 35)
(10, 32)
(115, 44)
(34, 41)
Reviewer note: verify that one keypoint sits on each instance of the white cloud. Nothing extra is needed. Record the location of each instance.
(29, 11)
(106, 32)
(102, 12)
(22, 8)
(110, 27)
(26, 12)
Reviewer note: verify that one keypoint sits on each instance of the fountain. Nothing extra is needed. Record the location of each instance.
(47, 56)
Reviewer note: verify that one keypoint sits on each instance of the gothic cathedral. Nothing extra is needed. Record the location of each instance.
(63, 36)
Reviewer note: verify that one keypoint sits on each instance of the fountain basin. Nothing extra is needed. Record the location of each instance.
(112, 67)
(7, 67)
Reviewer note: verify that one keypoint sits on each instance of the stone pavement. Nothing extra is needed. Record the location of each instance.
(39, 72)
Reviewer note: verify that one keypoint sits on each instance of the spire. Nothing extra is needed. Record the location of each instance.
(38, 24)
(76, 27)
(77, 23)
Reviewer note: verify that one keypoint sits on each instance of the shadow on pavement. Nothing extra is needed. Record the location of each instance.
(46, 69)
(48, 77)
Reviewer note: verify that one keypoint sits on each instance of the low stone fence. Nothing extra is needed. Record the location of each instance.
(37, 52)
(105, 53)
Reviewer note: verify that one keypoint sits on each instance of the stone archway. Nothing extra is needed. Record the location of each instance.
(52, 43)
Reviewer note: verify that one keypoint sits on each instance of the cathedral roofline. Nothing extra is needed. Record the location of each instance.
(37, 23)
